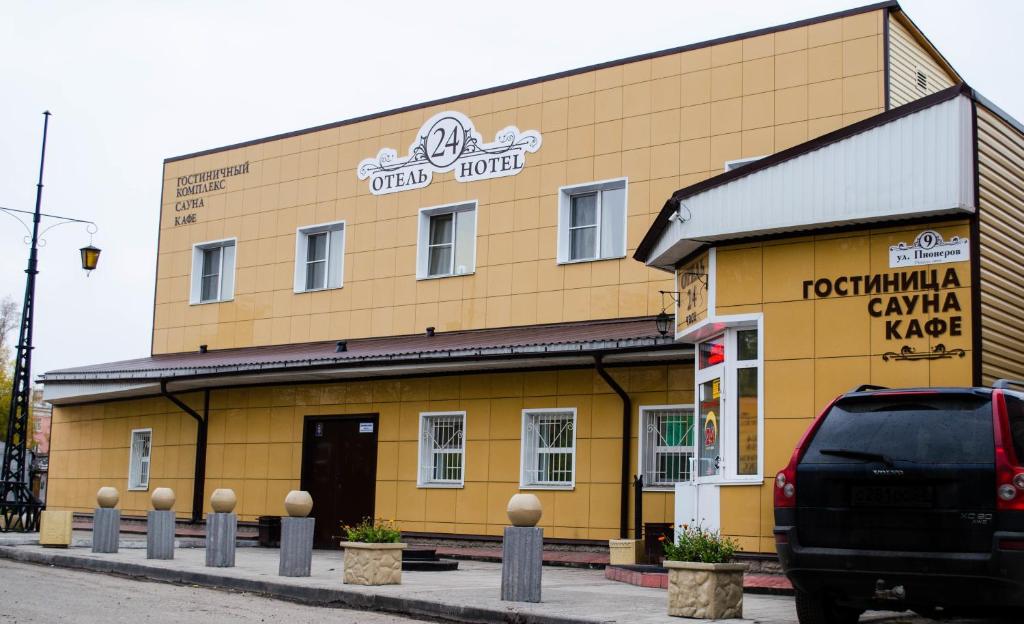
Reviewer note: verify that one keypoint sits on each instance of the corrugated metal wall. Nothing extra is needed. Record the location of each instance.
(906, 56)
(1001, 240)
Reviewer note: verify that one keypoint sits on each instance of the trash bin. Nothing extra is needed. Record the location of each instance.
(653, 548)
(269, 531)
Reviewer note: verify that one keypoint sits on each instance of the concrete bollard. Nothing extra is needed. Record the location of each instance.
(160, 525)
(296, 535)
(106, 529)
(521, 560)
(106, 521)
(160, 534)
(221, 529)
(296, 546)
(522, 551)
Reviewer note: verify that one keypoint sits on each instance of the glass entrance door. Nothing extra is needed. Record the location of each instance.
(709, 428)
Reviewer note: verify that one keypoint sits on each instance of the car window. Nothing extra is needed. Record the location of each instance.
(925, 429)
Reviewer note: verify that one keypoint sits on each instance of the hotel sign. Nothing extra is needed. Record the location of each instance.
(449, 142)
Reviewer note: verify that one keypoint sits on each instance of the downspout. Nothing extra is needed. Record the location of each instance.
(627, 410)
(199, 472)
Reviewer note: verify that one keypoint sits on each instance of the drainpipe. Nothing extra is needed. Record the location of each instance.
(199, 472)
(627, 410)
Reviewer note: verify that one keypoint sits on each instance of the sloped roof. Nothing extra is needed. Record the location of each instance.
(615, 335)
(800, 166)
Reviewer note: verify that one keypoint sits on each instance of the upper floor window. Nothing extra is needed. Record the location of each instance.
(447, 241)
(592, 221)
(319, 256)
(549, 448)
(213, 271)
(138, 463)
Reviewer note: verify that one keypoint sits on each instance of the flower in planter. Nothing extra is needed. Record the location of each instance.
(699, 545)
(373, 531)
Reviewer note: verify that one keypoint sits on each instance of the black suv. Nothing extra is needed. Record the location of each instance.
(906, 499)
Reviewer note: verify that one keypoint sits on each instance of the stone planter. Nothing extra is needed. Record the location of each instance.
(712, 591)
(373, 564)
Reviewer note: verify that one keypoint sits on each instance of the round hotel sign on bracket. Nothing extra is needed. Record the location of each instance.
(448, 141)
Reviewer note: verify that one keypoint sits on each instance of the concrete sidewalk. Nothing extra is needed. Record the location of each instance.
(469, 594)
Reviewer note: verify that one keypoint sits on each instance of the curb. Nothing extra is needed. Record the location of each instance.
(316, 596)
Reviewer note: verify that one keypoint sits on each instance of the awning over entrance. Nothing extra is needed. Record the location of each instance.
(618, 341)
(909, 162)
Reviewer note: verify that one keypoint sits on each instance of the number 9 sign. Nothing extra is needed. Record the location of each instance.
(928, 239)
(445, 141)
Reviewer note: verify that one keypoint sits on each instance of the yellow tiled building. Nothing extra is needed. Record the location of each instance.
(294, 297)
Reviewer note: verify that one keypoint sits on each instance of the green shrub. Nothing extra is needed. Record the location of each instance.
(695, 544)
(373, 531)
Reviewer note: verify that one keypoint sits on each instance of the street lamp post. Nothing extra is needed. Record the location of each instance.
(19, 507)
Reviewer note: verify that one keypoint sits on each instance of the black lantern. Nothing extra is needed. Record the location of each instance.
(90, 256)
(663, 321)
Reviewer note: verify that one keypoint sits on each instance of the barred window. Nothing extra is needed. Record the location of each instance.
(138, 465)
(442, 448)
(667, 444)
(549, 448)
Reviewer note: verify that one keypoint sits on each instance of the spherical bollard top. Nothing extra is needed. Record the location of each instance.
(162, 498)
(298, 503)
(223, 500)
(524, 510)
(107, 497)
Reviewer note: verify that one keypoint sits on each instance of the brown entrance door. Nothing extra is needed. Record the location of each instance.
(339, 469)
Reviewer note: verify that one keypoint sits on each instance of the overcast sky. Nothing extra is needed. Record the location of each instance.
(131, 83)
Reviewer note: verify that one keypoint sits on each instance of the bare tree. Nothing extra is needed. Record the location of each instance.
(10, 318)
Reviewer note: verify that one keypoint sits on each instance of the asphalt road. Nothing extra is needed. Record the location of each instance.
(33, 593)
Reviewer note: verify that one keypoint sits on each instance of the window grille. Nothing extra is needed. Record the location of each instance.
(549, 451)
(667, 445)
(138, 468)
(442, 448)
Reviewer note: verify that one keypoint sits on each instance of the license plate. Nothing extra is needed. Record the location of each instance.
(890, 496)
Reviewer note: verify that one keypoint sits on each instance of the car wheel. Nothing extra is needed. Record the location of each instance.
(811, 609)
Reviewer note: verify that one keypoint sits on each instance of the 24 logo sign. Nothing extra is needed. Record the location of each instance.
(449, 142)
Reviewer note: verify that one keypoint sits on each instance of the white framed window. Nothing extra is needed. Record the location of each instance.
(548, 452)
(319, 256)
(739, 162)
(666, 445)
(442, 449)
(592, 221)
(213, 271)
(138, 462)
(729, 435)
(447, 241)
